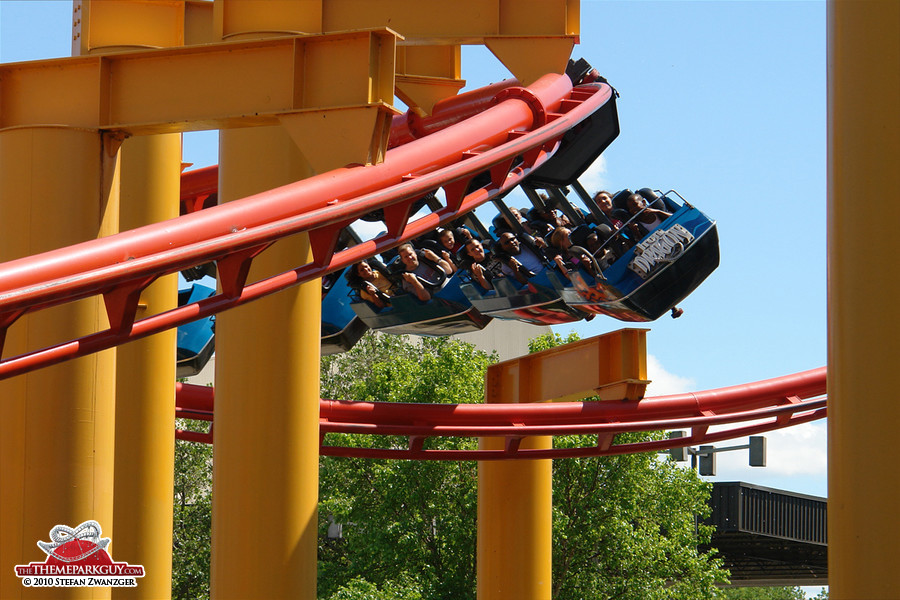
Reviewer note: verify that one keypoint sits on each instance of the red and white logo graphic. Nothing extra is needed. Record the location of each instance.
(78, 558)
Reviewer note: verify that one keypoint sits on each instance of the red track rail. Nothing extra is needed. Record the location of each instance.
(770, 404)
(525, 122)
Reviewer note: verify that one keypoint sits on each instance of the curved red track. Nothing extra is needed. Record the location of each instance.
(738, 411)
(486, 130)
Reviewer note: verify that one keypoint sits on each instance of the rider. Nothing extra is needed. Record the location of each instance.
(423, 271)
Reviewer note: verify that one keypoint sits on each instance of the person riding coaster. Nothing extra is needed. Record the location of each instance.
(422, 272)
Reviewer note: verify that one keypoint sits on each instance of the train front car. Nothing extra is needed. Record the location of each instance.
(657, 272)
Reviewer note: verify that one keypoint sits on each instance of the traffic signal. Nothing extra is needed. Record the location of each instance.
(678, 454)
(757, 451)
(707, 457)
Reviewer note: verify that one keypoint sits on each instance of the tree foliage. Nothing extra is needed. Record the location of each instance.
(192, 517)
(412, 519)
(763, 593)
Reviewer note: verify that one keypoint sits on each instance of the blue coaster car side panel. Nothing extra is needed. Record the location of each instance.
(196, 340)
(537, 302)
(341, 328)
(652, 277)
(447, 313)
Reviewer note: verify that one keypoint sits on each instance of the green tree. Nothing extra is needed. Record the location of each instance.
(624, 527)
(360, 589)
(401, 517)
(762, 593)
(192, 516)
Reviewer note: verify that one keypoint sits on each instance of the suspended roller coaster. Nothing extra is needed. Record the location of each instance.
(475, 148)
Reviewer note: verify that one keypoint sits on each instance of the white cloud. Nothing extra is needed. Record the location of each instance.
(595, 177)
(665, 383)
(800, 450)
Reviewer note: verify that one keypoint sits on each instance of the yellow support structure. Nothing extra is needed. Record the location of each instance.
(266, 459)
(515, 498)
(427, 75)
(145, 370)
(863, 413)
(530, 37)
(58, 187)
(266, 452)
(612, 366)
(104, 26)
(145, 383)
(237, 84)
(457, 22)
(515, 525)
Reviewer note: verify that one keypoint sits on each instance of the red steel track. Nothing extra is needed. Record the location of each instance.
(502, 129)
(741, 410)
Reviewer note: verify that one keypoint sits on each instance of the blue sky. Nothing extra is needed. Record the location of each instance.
(724, 102)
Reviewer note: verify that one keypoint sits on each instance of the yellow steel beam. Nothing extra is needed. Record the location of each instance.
(430, 61)
(612, 366)
(145, 382)
(530, 57)
(198, 23)
(266, 470)
(57, 424)
(126, 24)
(515, 498)
(530, 37)
(427, 75)
(202, 87)
(429, 22)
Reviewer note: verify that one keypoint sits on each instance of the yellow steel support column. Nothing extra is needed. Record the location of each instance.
(515, 525)
(145, 369)
(515, 498)
(104, 26)
(266, 457)
(265, 475)
(57, 188)
(864, 332)
(145, 385)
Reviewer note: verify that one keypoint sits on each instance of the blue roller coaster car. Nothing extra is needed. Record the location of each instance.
(447, 313)
(196, 340)
(536, 302)
(341, 328)
(654, 275)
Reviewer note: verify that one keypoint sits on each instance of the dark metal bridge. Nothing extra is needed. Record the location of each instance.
(768, 536)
